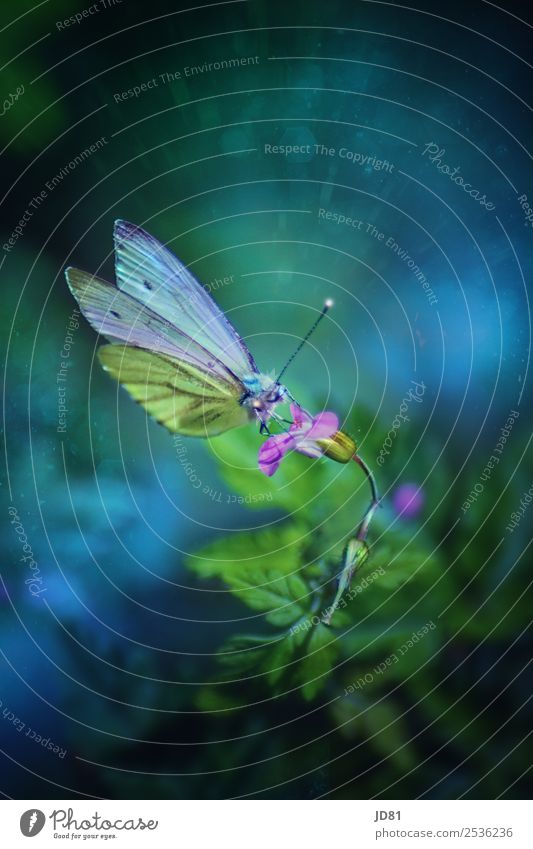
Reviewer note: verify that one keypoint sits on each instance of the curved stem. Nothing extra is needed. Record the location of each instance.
(371, 479)
(362, 529)
(355, 555)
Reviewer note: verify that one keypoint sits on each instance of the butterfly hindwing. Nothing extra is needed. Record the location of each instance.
(184, 398)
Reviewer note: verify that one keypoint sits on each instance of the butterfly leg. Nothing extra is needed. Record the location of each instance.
(289, 395)
(280, 421)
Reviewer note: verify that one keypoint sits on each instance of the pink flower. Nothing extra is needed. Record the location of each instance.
(302, 435)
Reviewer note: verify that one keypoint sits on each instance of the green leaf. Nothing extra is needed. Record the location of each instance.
(321, 653)
(275, 548)
(213, 698)
(271, 657)
(364, 642)
(283, 600)
(379, 721)
(340, 619)
(242, 653)
(284, 652)
(402, 560)
(261, 569)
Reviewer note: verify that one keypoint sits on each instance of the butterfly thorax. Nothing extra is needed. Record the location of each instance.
(262, 394)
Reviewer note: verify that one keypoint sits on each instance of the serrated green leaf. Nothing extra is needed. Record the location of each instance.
(242, 653)
(276, 549)
(284, 652)
(267, 578)
(283, 600)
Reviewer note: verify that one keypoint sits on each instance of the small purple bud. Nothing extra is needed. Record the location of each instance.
(408, 500)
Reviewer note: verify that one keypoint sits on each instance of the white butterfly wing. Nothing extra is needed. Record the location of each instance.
(151, 274)
(121, 318)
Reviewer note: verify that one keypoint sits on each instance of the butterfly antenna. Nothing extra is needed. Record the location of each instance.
(327, 306)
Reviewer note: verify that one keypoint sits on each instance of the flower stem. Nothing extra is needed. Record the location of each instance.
(356, 550)
(364, 525)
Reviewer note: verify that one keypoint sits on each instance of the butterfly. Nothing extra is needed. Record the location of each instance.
(171, 346)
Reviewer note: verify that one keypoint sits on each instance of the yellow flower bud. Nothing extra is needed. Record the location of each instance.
(339, 447)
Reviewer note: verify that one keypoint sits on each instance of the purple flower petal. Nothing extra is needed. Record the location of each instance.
(273, 450)
(304, 431)
(309, 447)
(324, 425)
(301, 418)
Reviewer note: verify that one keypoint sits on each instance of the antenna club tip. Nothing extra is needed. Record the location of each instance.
(328, 303)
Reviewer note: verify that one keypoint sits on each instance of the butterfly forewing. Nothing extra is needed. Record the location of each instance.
(149, 272)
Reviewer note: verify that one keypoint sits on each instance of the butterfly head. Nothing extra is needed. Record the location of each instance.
(262, 394)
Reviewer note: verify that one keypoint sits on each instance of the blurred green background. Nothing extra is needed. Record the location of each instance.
(157, 655)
